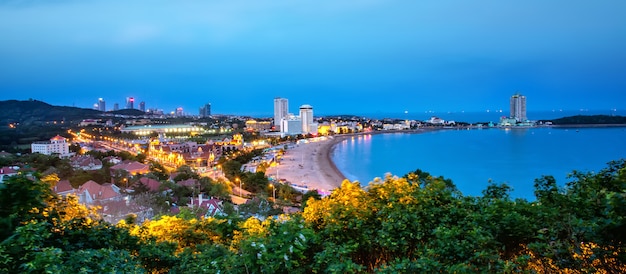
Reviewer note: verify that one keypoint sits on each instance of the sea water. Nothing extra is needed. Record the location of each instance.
(473, 158)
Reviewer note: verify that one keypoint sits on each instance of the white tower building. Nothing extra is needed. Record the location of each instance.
(306, 115)
(281, 110)
(518, 107)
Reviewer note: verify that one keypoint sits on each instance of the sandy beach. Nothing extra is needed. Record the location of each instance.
(309, 166)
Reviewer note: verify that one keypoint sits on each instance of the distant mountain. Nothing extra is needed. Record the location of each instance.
(590, 120)
(34, 112)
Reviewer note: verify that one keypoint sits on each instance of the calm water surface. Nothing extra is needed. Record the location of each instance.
(472, 158)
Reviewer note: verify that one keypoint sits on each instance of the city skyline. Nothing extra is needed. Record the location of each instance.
(353, 57)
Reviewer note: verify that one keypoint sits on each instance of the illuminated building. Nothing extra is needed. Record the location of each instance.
(173, 129)
(142, 106)
(306, 117)
(130, 103)
(518, 107)
(101, 105)
(205, 111)
(291, 125)
(281, 110)
(253, 125)
(56, 145)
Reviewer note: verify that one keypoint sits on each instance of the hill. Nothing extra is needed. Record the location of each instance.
(23, 122)
(37, 112)
(590, 120)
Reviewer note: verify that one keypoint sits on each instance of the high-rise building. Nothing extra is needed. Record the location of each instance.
(116, 107)
(142, 106)
(306, 115)
(518, 107)
(130, 103)
(101, 105)
(281, 110)
(205, 111)
(179, 112)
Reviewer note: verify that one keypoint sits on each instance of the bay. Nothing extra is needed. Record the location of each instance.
(473, 158)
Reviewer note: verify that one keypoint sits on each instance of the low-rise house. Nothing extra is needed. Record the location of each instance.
(150, 184)
(115, 210)
(132, 167)
(63, 188)
(191, 183)
(85, 162)
(7, 172)
(207, 207)
(91, 192)
(113, 160)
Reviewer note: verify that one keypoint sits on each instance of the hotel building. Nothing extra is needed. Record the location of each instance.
(281, 110)
(306, 116)
(56, 145)
(518, 108)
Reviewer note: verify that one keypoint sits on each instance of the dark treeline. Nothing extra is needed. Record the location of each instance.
(590, 120)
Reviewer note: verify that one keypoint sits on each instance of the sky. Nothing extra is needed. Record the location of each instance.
(341, 57)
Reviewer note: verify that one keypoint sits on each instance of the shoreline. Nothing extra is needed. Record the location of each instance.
(310, 165)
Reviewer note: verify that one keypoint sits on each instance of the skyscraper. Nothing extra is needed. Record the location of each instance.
(130, 103)
(116, 107)
(142, 106)
(306, 115)
(518, 107)
(101, 105)
(205, 111)
(281, 109)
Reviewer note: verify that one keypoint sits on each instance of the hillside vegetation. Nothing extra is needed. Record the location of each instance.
(590, 120)
(414, 224)
(23, 122)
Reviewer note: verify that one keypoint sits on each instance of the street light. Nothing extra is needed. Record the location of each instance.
(274, 191)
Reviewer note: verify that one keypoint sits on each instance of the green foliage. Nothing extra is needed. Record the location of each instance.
(311, 194)
(414, 224)
(185, 172)
(21, 199)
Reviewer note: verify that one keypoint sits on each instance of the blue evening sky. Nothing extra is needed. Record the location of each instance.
(353, 56)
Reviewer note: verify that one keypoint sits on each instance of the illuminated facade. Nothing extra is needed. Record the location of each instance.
(518, 107)
(101, 105)
(130, 103)
(149, 129)
(56, 145)
(291, 125)
(306, 117)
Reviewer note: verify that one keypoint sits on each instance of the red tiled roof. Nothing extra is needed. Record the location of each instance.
(151, 184)
(85, 161)
(57, 138)
(63, 186)
(97, 191)
(189, 182)
(7, 170)
(132, 167)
